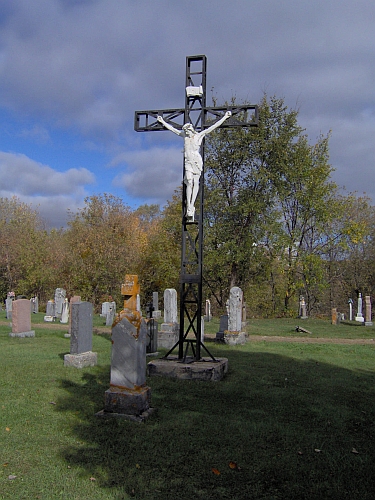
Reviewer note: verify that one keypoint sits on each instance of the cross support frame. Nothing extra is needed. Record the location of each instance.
(191, 276)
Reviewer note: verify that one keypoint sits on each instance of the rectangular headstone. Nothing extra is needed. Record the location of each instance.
(235, 309)
(128, 357)
(170, 305)
(21, 319)
(81, 327)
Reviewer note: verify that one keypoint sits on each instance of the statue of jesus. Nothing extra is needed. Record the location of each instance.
(192, 157)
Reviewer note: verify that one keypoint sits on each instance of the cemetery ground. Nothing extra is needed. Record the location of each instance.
(293, 419)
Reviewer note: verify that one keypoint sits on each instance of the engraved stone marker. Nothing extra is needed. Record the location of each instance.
(21, 319)
(81, 337)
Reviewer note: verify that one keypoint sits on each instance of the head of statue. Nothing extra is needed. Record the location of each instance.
(188, 129)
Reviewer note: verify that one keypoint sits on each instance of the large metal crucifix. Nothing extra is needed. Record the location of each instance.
(192, 123)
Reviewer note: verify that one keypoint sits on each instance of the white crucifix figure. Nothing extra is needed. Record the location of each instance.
(192, 158)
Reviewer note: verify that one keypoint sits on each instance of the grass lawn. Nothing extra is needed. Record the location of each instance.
(289, 421)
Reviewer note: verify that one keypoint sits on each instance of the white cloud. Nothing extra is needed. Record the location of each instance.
(152, 174)
(27, 177)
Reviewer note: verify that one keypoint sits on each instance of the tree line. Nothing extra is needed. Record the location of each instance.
(275, 225)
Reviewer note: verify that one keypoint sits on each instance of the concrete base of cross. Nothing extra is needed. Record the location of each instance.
(206, 370)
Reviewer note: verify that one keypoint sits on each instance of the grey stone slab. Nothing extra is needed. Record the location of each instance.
(231, 338)
(128, 357)
(81, 327)
(205, 370)
(81, 360)
(30, 333)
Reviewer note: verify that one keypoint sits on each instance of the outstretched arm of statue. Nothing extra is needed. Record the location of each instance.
(169, 127)
(217, 124)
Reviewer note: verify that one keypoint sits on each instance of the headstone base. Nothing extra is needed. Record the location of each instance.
(234, 338)
(205, 370)
(361, 319)
(368, 323)
(31, 333)
(168, 335)
(49, 319)
(127, 404)
(81, 360)
(67, 335)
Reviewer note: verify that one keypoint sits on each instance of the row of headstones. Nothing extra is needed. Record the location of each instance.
(337, 317)
(34, 304)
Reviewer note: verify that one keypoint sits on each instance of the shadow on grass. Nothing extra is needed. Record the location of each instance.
(274, 428)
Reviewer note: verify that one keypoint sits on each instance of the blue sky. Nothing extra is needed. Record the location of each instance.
(72, 73)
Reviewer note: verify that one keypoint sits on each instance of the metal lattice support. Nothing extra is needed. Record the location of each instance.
(201, 117)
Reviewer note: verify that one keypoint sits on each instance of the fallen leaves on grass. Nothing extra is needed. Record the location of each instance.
(11, 477)
(234, 466)
(317, 450)
(92, 479)
(7, 429)
(52, 403)
(355, 451)
(215, 471)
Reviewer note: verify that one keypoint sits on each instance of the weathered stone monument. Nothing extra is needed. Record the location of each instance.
(368, 319)
(65, 312)
(208, 315)
(8, 304)
(21, 319)
(169, 330)
(128, 396)
(156, 313)
(359, 316)
(334, 316)
(222, 328)
(111, 313)
(350, 302)
(60, 294)
(234, 335)
(81, 354)
(73, 300)
(302, 308)
(34, 304)
(50, 311)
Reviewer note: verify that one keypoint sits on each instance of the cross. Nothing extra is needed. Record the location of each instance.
(192, 123)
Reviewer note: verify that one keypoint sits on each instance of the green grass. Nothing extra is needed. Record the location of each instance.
(278, 405)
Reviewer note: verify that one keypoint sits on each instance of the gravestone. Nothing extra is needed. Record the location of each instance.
(208, 315)
(81, 354)
(34, 303)
(222, 328)
(65, 312)
(73, 300)
(21, 319)
(334, 316)
(130, 289)
(169, 330)
(302, 308)
(156, 313)
(105, 309)
(350, 302)
(8, 305)
(359, 316)
(60, 294)
(234, 335)
(50, 311)
(110, 316)
(152, 336)
(128, 396)
(368, 321)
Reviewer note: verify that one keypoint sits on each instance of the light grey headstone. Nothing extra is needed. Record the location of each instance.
(65, 312)
(170, 305)
(34, 303)
(60, 294)
(81, 327)
(235, 309)
(359, 316)
(8, 306)
(105, 309)
(110, 316)
(155, 301)
(128, 357)
(51, 308)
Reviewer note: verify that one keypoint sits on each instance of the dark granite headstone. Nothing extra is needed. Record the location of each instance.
(223, 326)
(81, 328)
